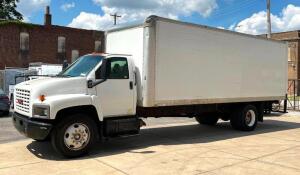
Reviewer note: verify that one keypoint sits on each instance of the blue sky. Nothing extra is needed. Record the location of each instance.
(246, 16)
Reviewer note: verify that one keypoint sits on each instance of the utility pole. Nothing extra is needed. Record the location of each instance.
(269, 18)
(115, 17)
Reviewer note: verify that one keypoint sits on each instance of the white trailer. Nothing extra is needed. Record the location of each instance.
(158, 69)
(181, 64)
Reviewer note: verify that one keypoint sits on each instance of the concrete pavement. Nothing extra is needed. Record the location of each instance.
(7, 131)
(178, 148)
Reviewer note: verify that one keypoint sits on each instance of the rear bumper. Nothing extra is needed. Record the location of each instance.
(33, 129)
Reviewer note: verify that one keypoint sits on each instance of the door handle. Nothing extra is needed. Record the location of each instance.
(130, 85)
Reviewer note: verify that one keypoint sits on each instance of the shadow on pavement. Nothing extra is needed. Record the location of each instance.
(175, 135)
(275, 114)
(2, 115)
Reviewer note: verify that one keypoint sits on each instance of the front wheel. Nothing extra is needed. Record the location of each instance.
(244, 118)
(74, 135)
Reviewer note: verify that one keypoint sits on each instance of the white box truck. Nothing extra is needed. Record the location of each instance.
(158, 69)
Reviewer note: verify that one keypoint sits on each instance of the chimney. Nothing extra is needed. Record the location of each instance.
(47, 19)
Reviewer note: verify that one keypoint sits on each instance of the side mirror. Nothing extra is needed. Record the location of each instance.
(100, 75)
(90, 84)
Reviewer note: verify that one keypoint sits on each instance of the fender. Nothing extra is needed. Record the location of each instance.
(59, 102)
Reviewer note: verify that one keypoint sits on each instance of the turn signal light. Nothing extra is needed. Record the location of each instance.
(42, 98)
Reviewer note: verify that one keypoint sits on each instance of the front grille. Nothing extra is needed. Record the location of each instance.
(22, 100)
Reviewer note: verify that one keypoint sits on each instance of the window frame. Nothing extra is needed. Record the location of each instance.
(109, 68)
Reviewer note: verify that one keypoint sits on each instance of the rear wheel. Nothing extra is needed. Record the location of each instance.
(74, 135)
(244, 118)
(207, 119)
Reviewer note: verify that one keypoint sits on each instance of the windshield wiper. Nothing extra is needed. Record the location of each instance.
(63, 76)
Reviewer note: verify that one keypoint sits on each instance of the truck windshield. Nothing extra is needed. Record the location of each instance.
(82, 66)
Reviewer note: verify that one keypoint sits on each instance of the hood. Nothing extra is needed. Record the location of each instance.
(55, 86)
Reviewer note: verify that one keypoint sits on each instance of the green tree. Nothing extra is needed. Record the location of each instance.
(8, 10)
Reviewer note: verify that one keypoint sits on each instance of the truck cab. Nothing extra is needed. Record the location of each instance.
(80, 104)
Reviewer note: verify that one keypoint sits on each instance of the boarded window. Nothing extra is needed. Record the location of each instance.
(75, 55)
(97, 46)
(61, 44)
(24, 41)
(289, 54)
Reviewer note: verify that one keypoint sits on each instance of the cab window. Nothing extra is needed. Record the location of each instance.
(117, 68)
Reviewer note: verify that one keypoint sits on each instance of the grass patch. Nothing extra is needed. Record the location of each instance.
(16, 22)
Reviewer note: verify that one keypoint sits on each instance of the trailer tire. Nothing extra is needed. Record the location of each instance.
(74, 135)
(244, 118)
(207, 119)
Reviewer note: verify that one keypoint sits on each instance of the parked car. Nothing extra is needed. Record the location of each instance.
(4, 103)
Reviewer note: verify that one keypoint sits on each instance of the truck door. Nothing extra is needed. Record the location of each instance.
(117, 92)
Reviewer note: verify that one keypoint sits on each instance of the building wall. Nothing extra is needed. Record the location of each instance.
(293, 40)
(43, 44)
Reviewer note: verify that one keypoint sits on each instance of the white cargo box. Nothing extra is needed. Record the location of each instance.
(180, 63)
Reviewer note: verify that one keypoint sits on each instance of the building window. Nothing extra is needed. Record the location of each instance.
(24, 41)
(289, 54)
(61, 44)
(75, 55)
(97, 46)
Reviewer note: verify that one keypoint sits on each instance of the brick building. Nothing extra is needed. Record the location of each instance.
(23, 43)
(293, 39)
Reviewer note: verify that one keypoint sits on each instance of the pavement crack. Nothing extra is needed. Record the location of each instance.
(117, 169)
(238, 163)
(32, 163)
(277, 164)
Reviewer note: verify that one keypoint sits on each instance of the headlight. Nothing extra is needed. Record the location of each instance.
(41, 112)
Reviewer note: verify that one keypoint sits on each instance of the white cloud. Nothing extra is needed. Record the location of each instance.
(133, 11)
(67, 6)
(289, 19)
(231, 27)
(29, 7)
(92, 21)
(221, 27)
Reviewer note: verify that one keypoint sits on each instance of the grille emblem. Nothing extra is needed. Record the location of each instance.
(20, 101)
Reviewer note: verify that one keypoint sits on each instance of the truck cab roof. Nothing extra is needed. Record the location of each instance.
(109, 54)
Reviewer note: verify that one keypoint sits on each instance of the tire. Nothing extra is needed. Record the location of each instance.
(43, 140)
(78, 128)
(245, 118)
(207, 119)
(6, 113)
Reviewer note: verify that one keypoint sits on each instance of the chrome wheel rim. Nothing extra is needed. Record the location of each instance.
(77, 136)
(250, 118)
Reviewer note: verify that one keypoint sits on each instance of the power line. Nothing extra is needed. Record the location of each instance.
(234, 6)
(236, 9)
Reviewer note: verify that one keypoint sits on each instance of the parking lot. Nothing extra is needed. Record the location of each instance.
(169, 146)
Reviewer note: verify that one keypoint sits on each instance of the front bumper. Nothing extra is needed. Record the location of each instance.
(38, 130)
